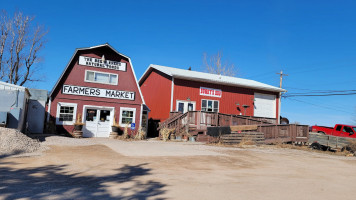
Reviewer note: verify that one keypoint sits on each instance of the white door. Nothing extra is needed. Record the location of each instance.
(265, 105)
(104, 125)
(185, 106)
(91, 122)
(97, 122)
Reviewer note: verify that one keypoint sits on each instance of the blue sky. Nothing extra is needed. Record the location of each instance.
(314, 42)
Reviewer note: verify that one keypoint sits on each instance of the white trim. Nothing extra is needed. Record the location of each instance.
(172, 91)
(141, 115)
(49, 108)
(128, 109)
(134, 74)
(201, 105)
(99, 108)
(185, 101)
(88, 81)
(59, 104)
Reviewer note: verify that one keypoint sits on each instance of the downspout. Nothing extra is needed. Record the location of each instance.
(141, 115)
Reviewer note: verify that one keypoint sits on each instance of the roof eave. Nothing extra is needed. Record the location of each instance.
(223, 83)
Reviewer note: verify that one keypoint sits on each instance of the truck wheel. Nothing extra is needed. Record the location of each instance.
(321, 132)
(316, 146)
(347, 148)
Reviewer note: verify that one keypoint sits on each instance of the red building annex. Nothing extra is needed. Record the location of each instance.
(167, 89)
(97, 84)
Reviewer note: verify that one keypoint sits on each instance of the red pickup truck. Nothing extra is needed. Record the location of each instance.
(340, 130)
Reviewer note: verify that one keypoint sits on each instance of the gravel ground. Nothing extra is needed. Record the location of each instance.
(66, 141)
(150, 147)
(102, 168)
(13, 142)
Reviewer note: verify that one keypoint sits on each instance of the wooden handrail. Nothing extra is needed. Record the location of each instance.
(214, 117)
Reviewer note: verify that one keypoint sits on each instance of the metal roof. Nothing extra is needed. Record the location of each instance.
(211, 78)
(9, 86)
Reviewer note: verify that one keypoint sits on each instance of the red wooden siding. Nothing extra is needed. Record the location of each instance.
(81, 103)
(156, 90)
(231, 95)
(75, 75)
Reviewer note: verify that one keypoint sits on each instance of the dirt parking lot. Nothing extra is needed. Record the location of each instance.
(113, 169)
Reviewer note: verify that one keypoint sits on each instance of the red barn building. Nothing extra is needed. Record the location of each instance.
(169, 89)
(97, 84)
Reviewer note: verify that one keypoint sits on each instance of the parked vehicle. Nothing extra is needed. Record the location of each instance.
(340, 130)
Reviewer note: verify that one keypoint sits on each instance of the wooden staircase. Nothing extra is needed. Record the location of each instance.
(197, 122)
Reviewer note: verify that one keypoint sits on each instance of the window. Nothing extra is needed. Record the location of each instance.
(127, 116)
(101, 77)
(348, 130)
(66, 113)
(338, 128)
(209, 105)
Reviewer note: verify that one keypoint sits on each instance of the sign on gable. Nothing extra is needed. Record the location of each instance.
(106, 64)
(210, 92)
(98, 92)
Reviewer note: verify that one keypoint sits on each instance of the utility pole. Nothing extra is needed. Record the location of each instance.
(281, 78)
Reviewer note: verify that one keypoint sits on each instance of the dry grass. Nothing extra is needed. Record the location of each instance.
(246, 141)
(307, 148)
(140, 135)
(126, 132)
(165, 133)
(352, 146)
(248, 144)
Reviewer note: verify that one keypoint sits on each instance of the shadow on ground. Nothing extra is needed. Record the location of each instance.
(53, 182)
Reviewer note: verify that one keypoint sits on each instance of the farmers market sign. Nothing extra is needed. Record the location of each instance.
(97, 92)
(102, 63)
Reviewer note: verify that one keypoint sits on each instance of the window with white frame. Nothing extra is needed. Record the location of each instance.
(66, 113)
(210, 105)
(101, 77)
(127, 116)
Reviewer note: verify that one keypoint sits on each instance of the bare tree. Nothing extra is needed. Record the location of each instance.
(20, 44)
(215, 65)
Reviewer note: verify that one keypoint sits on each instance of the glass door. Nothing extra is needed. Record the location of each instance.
(185, 106)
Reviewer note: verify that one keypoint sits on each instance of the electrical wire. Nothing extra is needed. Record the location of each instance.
(318, 105)
(316, 95)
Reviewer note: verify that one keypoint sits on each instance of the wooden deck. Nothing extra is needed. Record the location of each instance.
(198, 122)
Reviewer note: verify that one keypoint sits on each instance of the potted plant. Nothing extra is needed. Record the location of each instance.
(78, 125)
(115, 126)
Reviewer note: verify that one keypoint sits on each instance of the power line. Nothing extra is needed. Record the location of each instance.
(317, 95)
(326, 107)
(321, 91)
